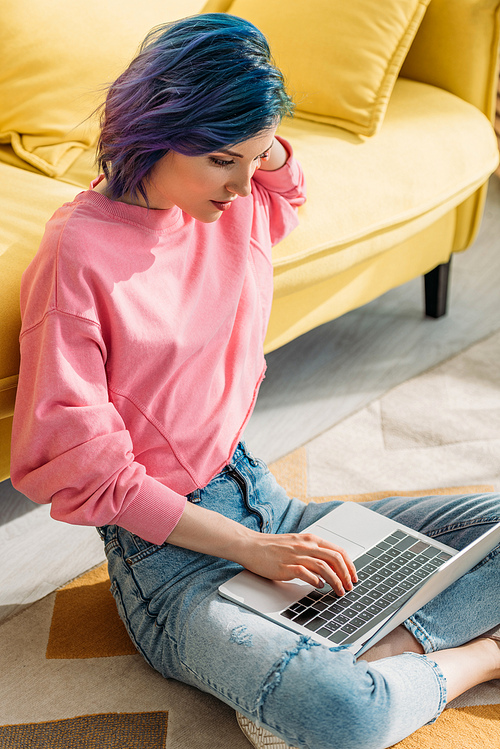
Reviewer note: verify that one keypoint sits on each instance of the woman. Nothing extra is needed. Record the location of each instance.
(144, 315)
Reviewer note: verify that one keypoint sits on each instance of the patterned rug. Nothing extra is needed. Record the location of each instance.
(71, 679)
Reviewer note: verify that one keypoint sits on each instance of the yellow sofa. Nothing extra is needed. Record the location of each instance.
(396, 158)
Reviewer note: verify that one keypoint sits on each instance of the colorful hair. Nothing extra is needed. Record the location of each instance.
(198, 85)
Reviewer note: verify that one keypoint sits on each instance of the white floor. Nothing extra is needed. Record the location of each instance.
(311, 384)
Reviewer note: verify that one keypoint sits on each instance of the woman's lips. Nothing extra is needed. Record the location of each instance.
(222, 206)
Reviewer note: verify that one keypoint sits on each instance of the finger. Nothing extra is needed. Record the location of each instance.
(336, 561)
(307, 576)
(325, 572)
(348, 568)
(341, 560)
(324, 559)
(317, 572)
(351, 567)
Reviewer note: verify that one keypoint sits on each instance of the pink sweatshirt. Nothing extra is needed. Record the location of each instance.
(141, 352)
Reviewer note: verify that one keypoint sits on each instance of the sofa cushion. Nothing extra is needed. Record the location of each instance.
(340, 59)
(81, 172)
(367, 195)
(57, 57)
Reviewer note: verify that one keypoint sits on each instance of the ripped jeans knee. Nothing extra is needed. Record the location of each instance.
(302, 691)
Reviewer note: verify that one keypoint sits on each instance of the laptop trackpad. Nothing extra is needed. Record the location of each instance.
(353, 549)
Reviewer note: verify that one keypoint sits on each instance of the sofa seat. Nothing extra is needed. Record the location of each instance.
(366, 195)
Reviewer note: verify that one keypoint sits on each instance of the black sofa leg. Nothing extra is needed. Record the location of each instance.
(436, 290)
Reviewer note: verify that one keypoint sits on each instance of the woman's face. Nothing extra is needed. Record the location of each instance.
(205, 186)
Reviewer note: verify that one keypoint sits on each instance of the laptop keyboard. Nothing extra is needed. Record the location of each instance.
(389, 573)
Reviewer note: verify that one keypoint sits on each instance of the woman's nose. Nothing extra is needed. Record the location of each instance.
(241, 186)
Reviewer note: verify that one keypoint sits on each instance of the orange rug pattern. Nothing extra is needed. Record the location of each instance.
(105, 731)
(85, 621)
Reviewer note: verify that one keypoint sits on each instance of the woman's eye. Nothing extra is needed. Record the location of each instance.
(265, 156)
(220, 162)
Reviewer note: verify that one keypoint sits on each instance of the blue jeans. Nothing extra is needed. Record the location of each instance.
(312, 696)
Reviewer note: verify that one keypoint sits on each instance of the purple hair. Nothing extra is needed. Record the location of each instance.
(198, 85)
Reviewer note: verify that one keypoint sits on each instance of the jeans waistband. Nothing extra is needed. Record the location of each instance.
(241, 453)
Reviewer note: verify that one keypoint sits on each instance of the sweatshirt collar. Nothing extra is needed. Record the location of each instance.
(153, 219)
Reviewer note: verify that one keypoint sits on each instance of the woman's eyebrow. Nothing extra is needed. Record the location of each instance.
(239, 155)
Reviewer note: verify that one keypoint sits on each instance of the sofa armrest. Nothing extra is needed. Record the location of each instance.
(456, 49)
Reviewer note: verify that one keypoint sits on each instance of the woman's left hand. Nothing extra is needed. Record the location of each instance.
(282, 556)
(304, 556)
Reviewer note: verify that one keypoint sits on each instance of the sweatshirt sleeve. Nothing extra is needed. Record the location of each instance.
(284, 191)
(70, 446)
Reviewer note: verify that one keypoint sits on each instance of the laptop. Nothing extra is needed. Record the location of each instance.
(399, 571)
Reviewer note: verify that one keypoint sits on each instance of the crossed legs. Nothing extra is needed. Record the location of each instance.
(463, 667)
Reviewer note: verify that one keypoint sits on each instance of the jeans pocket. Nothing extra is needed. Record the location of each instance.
(158, 568)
